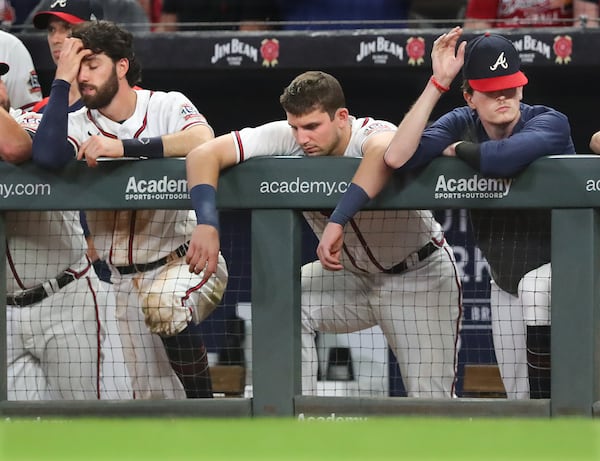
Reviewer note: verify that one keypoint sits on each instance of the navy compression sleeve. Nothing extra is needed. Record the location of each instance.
(50, 148)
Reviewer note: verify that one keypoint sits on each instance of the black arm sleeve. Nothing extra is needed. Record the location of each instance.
(470, 153)
(50, 147)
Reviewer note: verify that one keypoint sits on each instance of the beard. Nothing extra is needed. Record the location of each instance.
(104, 94)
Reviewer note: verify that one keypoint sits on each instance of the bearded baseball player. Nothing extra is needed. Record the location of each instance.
(55, 309)
(145, 249)
(497, 135)
(398, 272)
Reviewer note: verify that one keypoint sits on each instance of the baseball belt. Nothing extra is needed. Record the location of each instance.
(145, 267)
(38, 293)
(414, 258)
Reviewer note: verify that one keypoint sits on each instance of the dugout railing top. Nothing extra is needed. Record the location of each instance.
(275, 189)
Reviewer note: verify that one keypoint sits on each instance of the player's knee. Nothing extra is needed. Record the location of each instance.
(204, 301)
(163, 317)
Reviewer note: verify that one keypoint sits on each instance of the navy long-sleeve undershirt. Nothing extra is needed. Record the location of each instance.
(51, 149)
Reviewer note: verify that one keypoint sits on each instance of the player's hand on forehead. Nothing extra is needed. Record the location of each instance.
(71, 55)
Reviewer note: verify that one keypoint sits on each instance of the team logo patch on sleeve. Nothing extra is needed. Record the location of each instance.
(189, 112)
(34, 83)
(377, 127)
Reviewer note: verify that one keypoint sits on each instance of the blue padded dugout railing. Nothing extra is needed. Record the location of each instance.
(568, 185)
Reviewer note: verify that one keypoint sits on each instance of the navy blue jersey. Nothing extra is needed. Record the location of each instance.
(514, 242)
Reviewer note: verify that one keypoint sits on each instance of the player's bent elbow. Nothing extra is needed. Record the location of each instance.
(15, 153)
(595, 143)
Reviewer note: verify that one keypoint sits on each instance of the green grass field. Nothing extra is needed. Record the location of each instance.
(399, 438)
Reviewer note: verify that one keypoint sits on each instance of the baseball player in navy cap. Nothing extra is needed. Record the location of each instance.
(58, 18)
(486, 76)
(70, 11)
(498, 135)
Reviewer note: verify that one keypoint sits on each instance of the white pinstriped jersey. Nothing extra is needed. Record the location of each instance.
(373, 240)
(21, 80)
(125, 237)
(41, 245)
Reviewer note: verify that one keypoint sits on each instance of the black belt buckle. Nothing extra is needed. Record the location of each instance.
(38, 293)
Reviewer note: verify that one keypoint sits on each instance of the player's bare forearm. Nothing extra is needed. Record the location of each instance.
(330, 247)
(205, 162)
(446, 63)
(372, 173)
(16, 143)
(203, 166)
(181, 143)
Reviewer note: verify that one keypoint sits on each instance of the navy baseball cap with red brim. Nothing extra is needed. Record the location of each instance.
(492, 63)
(70, 11)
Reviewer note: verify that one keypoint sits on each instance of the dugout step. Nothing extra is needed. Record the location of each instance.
(483, 380)
(228, 380)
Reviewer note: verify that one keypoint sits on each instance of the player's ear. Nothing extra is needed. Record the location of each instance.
(342, 114)
(469, 99)
(122, 67)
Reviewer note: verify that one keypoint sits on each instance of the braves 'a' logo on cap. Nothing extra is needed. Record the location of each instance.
(60, 3)
(501, 61)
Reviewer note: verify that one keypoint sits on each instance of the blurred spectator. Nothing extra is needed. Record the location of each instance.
(485, 14)
(7, 14)
(327, 14)
(153, 9)
(588, 11)
(238, 14)
(127, 12)
(15, 12)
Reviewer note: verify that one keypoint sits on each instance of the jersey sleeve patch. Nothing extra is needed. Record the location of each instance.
(189, 113)
(377, 127)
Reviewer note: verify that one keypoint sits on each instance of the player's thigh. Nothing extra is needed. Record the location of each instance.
(335, 301)
(26, 380)
(18, 329)
(508, 325)
(535, 294)
(429, 295)
(72, 336)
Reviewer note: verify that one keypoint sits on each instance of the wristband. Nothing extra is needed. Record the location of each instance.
(352, 201)
(204, 203)
(143, 147)
(439, 86)
(470, 153)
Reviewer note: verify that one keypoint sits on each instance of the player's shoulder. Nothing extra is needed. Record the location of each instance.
(541, 112)
(160, 99)
(8, 38)
(370, 125)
